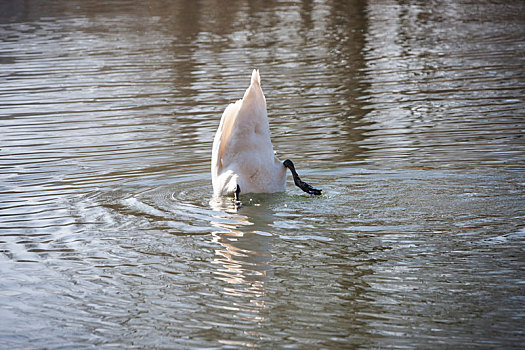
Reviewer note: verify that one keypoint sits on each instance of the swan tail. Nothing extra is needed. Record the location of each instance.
(256, 79)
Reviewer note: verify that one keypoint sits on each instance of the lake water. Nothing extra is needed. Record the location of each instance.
(410, 115)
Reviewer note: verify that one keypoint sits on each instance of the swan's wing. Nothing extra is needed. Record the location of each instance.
(223, 134)
(238, 122)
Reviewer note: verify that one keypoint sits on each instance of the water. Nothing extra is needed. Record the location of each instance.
(409, 115)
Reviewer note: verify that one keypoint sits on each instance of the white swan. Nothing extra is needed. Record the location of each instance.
(243, 159)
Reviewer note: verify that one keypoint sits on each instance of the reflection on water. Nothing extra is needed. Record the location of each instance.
(408, 114)
(244, 259)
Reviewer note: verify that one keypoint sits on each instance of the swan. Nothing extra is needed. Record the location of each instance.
(243, 159)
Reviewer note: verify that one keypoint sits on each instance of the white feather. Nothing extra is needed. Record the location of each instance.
(242, 150)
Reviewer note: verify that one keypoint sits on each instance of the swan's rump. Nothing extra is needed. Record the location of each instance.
(242, 150)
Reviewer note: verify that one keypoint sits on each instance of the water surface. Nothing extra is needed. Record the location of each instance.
(409, 115)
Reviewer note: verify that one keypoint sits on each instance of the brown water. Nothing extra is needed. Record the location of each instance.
(410, 115)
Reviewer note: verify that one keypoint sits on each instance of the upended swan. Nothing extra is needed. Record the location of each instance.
(243, 159)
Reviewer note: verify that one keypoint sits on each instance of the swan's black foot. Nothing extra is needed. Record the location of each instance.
(237, 192)
(298, 182)
(238, 202)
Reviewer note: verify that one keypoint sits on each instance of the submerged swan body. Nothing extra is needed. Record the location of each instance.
(243, 159)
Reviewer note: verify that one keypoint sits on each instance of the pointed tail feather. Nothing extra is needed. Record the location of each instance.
(256, 79)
